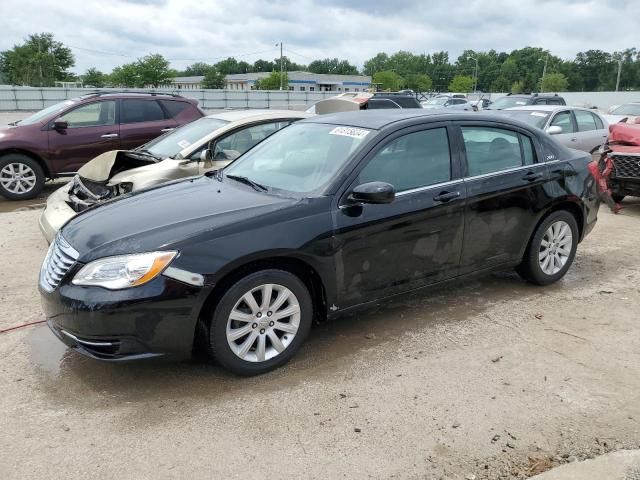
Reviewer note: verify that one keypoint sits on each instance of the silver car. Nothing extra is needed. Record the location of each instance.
(207, 144)
(448, 102)
(574, 127)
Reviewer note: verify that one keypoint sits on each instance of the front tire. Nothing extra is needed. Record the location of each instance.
(21, 177)
(618, 197)
(551, 250)
(260, 322)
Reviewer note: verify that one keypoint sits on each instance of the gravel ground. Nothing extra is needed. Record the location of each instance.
(488, 379)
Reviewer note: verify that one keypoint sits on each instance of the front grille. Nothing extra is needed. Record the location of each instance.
(627, 166)
(60, 258)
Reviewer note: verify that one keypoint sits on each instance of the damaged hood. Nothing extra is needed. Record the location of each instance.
(161, 217)
(99, 169)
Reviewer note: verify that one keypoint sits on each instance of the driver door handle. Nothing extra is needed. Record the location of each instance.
(531, 176)
(446, 196)
(167, 129)
(109, 135)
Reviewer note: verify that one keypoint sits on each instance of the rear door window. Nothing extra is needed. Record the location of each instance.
(174, 107)
(136, 111)
(414, 160)
(491, 149)
(586, 121)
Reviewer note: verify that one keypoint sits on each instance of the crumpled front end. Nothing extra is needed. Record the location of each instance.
(619, 165)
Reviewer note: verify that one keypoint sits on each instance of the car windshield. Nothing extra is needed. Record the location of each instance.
(44, 113)
(629, 109)
(436, 101)
(302, 158)
(173, 143)
(536, 118)
(507, 102)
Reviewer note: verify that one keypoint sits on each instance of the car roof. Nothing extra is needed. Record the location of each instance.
(378, 119)
(548, 108)
(258, 114)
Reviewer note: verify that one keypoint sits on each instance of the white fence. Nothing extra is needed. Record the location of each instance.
(29, 98)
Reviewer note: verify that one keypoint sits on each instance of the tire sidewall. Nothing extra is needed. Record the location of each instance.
(535, 269)
(31, 163)
(219, 347)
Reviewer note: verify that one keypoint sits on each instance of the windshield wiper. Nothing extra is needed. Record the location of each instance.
(247, 181)
(145, 153)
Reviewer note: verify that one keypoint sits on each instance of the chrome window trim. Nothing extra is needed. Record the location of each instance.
(508, 170)
(428, 187)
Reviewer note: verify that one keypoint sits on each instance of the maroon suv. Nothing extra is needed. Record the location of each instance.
(58, 140)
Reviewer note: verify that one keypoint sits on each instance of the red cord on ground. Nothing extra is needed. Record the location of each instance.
(21, 326)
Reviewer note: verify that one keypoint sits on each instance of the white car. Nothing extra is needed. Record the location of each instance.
(629, 113)
(208, 143)
(452, 103)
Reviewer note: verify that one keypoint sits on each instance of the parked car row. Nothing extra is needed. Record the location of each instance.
(307, 221)
(58, 140)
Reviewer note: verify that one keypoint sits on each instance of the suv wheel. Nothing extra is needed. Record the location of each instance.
(260, 322)
(21, 177)
(551, 250)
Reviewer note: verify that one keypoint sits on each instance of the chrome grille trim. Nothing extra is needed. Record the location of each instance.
(60, 258)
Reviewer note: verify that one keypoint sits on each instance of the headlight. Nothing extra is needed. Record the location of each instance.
(124, 271)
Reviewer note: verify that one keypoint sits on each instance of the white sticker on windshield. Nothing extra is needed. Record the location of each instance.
(540, 114)
(349, 132)
(184, 144)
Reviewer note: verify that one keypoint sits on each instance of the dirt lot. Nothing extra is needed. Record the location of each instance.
(494, 378)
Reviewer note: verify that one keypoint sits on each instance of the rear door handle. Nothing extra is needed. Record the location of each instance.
(109, 135)
(574, 139)
(531, 176)
(167, 129)
(446, 196)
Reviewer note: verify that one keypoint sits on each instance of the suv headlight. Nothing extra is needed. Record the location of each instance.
(124, 271)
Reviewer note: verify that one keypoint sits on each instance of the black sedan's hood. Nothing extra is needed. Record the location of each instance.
(163, 217)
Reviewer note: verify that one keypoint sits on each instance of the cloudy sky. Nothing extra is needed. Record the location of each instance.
(107, 34)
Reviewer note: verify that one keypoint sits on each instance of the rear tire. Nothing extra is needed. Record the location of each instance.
(551, 250)
(21, 177)
(260, 322)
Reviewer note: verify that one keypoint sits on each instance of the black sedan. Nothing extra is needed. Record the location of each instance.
(328, 215)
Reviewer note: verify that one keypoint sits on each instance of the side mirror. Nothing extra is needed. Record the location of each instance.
(60, 125)
(206, 155)
(555, 130)
(374, 193)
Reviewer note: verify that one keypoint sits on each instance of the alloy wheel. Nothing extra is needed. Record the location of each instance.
(263, 322)
(555, 247)
(17, 178)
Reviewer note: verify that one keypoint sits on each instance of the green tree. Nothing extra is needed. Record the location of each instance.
(379, 63)
(213, 78)
(39, 62)
(272, 82)
(263, 66)
(154, 71)
(125, 76)
(94, 78)
(461, 83)
(228, 66)
(333, 66)
(196, 69)
(554, 82)
(419, 82)
(389, 80)
(517, 87)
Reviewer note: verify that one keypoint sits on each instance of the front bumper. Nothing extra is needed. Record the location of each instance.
(158, 318)
(56, 213)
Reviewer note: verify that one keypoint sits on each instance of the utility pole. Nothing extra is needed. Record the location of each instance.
(281, 68)
(544, 72)
(475, 75)
(619, 72)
